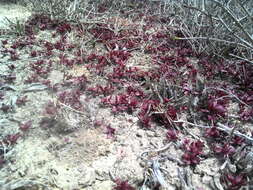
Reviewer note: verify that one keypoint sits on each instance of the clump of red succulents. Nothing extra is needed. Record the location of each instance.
(5, 108)
(110, 132)
(224, 149)
(33, 78)
(4, 42)
(246, 113)
(234, 181)
(59, 46)
(172, 135)
(193, 151)
(39, 21)
(11, 139)
(171, 112)
(50, 109)
(71, 98)
(63, 28)
(121, 102)
(21, 100)
(123, 185)
(49, 46)
(102, 34)
(64, 60)
(41, 67)
(14, 56)
(33, 53)
(80, 82)
(104, 90)
(117, 56)
(213, 132)
(213, 108)
(25, 126)
(144, 114)
(21, 43)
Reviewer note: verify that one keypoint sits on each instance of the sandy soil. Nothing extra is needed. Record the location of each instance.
(70, 152)
(12, 12)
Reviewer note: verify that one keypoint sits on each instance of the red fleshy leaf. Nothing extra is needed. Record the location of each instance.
(123, 185)
(25, 126)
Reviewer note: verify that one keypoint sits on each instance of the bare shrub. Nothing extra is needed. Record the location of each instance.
(220, 27)
(223, 28)
(59, 9)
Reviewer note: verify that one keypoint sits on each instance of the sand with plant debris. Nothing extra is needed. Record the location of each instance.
(12, 12)
(90, 148)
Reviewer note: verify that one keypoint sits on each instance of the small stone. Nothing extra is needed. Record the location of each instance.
(104, 185)
(88, 178)
(206, 179)
(140, 133)
(150, 133)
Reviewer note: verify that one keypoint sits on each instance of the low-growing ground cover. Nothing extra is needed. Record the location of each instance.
(121, 103)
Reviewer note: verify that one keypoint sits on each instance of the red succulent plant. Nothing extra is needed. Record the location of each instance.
(123, 185)
(193, 151)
